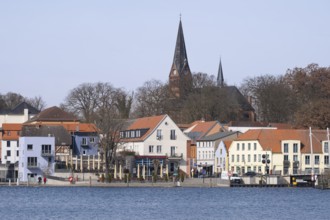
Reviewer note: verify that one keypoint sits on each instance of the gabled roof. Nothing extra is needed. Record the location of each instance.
(19, 109)
(53, 114)
(200, 129)
(62, 136)
(271, 139)
(234, 94)
(148, 123)
(227, 144)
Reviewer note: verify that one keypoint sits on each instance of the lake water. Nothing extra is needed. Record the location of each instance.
(163, 203)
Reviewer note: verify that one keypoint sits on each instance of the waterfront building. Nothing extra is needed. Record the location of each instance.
(36, 157)
(157, 142)
(290, 152)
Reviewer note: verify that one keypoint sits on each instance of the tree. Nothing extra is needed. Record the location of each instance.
(37, 102)
(274, 100)
(151, 99)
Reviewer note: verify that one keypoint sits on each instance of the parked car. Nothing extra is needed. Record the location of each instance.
(235, 178)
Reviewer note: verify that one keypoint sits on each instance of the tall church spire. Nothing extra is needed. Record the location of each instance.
(180, 54)
(180, 79)
(220, 79)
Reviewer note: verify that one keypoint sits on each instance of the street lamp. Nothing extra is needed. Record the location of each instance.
(266, 161)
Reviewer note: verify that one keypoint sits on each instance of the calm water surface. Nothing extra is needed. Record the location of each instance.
(163, 203)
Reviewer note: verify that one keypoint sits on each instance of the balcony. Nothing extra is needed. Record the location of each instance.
(174, 156)
(47, 153)
(33, 165)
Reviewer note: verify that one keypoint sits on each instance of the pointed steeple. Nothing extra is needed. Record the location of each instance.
(220, 79)
(180, 59)
(180, 78)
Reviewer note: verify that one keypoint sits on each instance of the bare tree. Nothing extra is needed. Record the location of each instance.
(150, 99)
(37, 102)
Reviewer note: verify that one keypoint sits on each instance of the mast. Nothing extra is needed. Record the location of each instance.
(312, 156)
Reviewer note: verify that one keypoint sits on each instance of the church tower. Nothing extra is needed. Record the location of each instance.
(180, 78)
(220, 80)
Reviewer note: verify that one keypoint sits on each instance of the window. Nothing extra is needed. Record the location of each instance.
(138, 133)
(243, 146)
(249, 158)
(237, 146)
(255, 168)
(237, 158)
(151, 148)
(259, 157)
(254, 158)
(159, 148)
(307, 160)
(84, 152)
(121, 134)
(17, 153)
(173, 136)
(317, 159)
(243, 158)
(17, 144)
(8, 143)
(199, 155)
(249, 146)
(295, 157)
(32, 162)
(255, 146)
(8, 153)
(30, 147)
(286, 157)
(326, 147)
(127, 134)
(132, 134)
(295, 148)
(232, 158)
(286, 148)
(159, 134)
(173, 151)
(46, 149)
(326, 159)
(84, 141)
(92, 140)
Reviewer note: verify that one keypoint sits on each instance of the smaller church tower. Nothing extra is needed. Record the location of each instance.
(220, 80)
(180, 78)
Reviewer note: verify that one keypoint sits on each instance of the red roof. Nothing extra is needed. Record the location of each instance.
(272, 138)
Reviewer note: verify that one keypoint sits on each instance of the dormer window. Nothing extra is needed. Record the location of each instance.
(138, 133)
(326, 147)
(121, 134)
(132, 134)
(127, 134)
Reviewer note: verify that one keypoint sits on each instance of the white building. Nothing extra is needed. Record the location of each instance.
(36, 157)
(156, 138)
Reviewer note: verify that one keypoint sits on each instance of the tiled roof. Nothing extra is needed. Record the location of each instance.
(149, 123)
(271, 139)
(11, 131)
(19, 109)
(54, 114)
(217, 136)
(62, 136)
(200, 129)
(227, 144)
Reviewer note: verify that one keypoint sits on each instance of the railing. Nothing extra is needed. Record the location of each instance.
(176, 155)
(47, 153)
(33, 165)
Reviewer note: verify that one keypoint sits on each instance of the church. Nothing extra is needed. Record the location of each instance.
(181, 85)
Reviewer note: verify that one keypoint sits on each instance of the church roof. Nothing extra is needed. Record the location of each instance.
(235, 94)
(180, 60)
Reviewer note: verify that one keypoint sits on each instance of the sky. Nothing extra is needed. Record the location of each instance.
(47, 48)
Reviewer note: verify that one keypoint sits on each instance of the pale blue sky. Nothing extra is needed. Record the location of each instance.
(49, 47)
